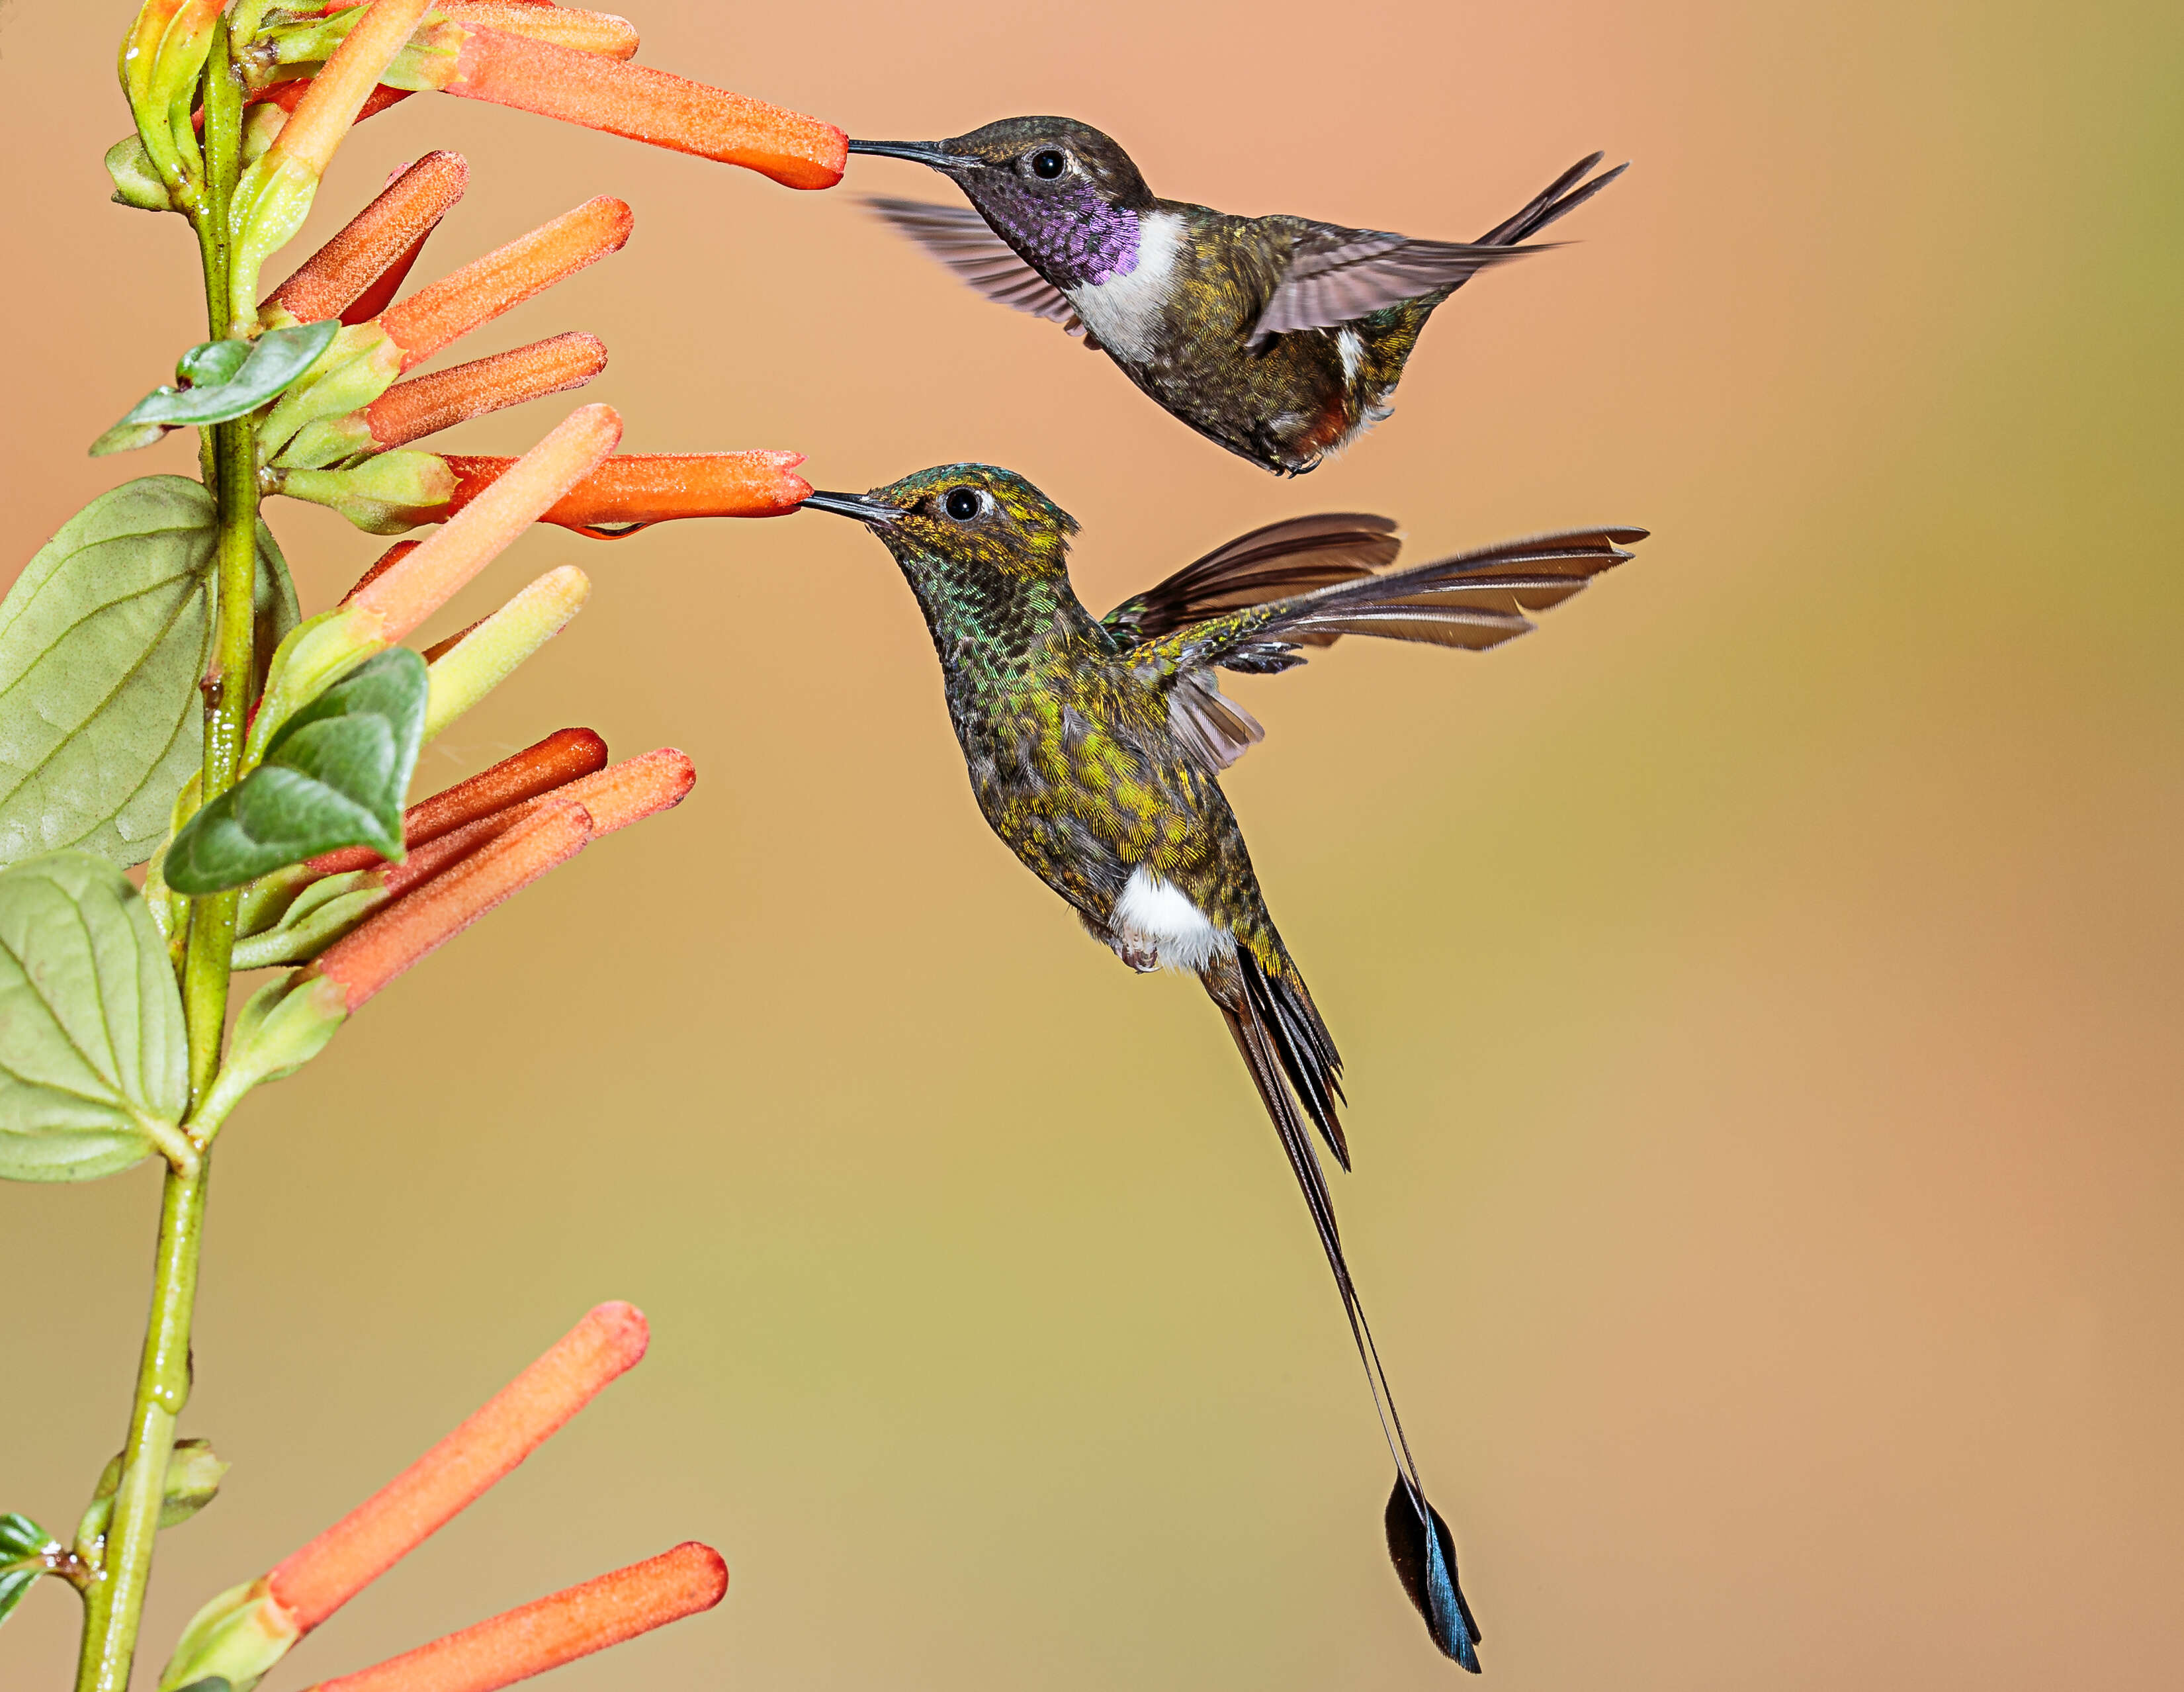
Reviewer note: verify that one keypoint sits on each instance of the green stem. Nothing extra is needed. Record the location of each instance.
(115, 1598)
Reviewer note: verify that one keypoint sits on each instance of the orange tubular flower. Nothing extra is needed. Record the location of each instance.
(562, 756)
(241, 1634)
(482, 289)
(420, 583)
(647, 105)
(543, 1635)
(411, 929)
(626, 493)
(594, 33)
(341, 1563)
(386, 233)
(409, 410)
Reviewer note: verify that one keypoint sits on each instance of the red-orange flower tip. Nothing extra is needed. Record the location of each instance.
(637, 788)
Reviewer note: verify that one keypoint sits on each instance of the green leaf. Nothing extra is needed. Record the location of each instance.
(20, 1540)
(228, 379)
(334, 776)
(102, 641)
(94, 1059)
(13, 1583)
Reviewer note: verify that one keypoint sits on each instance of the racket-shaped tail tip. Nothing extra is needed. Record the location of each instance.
(1425, 1562)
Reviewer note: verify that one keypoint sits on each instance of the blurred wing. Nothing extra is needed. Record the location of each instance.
(1275, 563)
(961, 240)
(1336, 275)
(1472, 600)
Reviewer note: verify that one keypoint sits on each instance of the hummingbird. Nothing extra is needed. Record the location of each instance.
(1094, 747)
(1280, 337)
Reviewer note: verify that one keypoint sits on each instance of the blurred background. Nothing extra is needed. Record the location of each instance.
(1760, 988)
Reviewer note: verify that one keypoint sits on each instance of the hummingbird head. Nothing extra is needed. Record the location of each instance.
(971, 522)
(1058, 191)
(985, 552)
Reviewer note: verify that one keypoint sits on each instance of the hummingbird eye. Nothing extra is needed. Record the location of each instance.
(1049, 164)
(962, 504)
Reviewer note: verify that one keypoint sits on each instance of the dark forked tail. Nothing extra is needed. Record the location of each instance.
(1560, 197)
(1291, 1059)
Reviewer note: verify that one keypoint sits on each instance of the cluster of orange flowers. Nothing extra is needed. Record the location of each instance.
(342, 436)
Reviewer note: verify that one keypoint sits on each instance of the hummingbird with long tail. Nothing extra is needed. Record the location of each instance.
(1095, 746)
(1280, 337)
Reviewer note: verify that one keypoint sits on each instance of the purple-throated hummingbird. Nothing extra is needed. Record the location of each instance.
(1280, 337)
(1095, 746)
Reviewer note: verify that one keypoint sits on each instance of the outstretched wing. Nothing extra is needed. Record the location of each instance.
(961, 240)
(1281, 560)
(1289, 557)
(1337, 276)
(1472, 600)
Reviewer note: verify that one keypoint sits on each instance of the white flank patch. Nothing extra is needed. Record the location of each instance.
(1353, 352)
(1122, 314)
(1163, 917)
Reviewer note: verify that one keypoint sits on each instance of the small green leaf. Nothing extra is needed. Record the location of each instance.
(21, 1540)
(334, 776)
(94, 1059)
(13, 1583)
(103, 638)
(228, 379)
(211, 1682)
(137, 180)
(193, 1476)
(210, 363)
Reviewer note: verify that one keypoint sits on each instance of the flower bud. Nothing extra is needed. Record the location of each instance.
(161, 56)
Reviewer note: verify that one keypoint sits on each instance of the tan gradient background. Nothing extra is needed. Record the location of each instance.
(1761, 988)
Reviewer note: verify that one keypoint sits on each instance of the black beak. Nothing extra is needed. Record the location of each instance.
(862, 506)
(918, 152)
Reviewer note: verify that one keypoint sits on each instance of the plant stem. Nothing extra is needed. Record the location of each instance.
(114, 1600)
